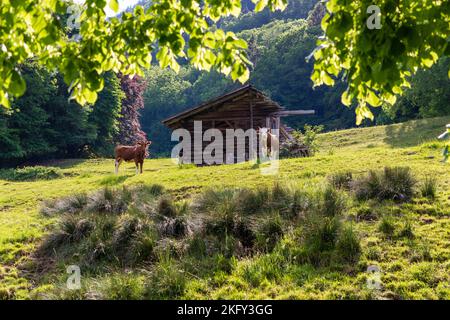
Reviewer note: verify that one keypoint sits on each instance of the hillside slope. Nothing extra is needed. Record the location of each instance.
(414, 267)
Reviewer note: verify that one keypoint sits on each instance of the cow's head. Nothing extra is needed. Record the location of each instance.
(144, 143)
(263, 130)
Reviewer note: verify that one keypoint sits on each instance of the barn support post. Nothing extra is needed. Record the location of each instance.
(198, 142)
(277, 123)
(251, 146)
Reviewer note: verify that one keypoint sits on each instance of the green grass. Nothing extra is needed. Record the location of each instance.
(417, 244)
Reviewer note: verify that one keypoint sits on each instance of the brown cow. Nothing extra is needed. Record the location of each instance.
(130, 153)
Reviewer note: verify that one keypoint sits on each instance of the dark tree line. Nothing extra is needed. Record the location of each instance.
(44, 124)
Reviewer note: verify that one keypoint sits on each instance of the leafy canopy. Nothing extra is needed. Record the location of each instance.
(170, 29)
(378, 63)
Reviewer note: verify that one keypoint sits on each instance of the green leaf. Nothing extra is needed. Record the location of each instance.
(244, 78)
(373, 99)
(17, 86)
(90, 96)
(390, 98)
(261, 5)
(346, 98)
(327, 79)
(4, 101)
(363, 112)
(114, 5)
(240, 43)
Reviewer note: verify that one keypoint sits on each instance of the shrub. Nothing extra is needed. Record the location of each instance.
(75, 228)
(76, 203)
(348, 246)
(429, 188)
(280, 193)
(308, 137)
(390, 184)
(31, 173)
(341, 180)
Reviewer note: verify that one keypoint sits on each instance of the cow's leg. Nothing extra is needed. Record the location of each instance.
(142, 164)
(117, 164)
(137, 166)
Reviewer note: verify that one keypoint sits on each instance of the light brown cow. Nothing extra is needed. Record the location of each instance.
(136, 153)
(268, 139)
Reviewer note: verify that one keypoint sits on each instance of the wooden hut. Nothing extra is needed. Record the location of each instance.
(243, 108)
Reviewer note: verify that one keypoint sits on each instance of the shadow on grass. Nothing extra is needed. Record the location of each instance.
(413, 133)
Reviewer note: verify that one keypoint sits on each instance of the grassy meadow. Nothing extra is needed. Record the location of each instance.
(228, 232)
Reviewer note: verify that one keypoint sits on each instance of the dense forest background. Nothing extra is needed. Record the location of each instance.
(43, 124)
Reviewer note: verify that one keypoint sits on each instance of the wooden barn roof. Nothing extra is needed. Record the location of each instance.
(218, 101)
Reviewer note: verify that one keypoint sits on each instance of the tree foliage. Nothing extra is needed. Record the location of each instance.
(44, 124)
(133, 101)
(377, 63)
(105, 116)
(168, 29)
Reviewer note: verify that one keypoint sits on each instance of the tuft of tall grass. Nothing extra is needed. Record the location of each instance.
(332, 202)
(69, 205)
(348, 245)
(387, 226)
(321, 233)
(269, 233)
(166, 208)
(167, 280)
(395, 183)
(252, 201)
(123, 287)
(407, 230)
(127, 227)
(341, 180)
(176, 227)
(428, 189)
(110, 201)
(244, 233)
